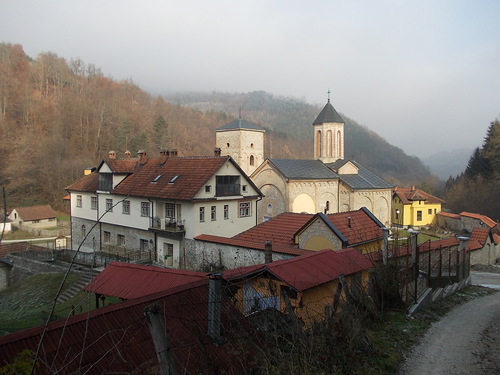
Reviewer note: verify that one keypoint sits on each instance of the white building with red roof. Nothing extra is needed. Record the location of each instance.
(156, 206)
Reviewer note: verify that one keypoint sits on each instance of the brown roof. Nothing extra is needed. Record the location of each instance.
(36, 212)
(485, 219)
(496, 238)
(410, 195)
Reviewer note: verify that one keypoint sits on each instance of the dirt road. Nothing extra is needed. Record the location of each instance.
(466, 341)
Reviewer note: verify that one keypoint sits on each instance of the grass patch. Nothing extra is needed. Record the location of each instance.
(27, 303)
(17, 235)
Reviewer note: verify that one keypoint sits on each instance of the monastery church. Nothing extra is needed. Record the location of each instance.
(328, 183)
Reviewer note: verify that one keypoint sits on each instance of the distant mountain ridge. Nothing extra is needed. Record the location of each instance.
(448, 162)
(289, 121)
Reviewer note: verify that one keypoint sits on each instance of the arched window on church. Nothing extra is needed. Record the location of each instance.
(84, 231)
(252, 160)
(269, 209)
(329, 143)
(318, 144)
(339, 144)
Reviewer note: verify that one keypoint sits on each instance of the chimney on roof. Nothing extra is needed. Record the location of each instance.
(217, 152)
(111, 155)
(349, 222)
(214, 306)
(141, 154)
(127, 154)
(268, 252)
(412, 187)
(164, 153)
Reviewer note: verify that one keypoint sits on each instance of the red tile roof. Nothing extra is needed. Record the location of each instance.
(496, 238)
(116, 338)
(480, 235)
(473, 245)
(357, 227)
(193, 173)
(449, 214)
(485, 219)
(128, 281)
(88, 183)
(410, 195)
(308, 271)
(281, 230)
(255, 244)
(36, 212)
(121, 165)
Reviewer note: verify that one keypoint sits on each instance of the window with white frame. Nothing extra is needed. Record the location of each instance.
(109, 205)
(145, 209)
(244, 209)
(226, 211)
(213, 213)
(170, 210)
(126, 207)
(202, 214)
(78, 201)
(93, 203)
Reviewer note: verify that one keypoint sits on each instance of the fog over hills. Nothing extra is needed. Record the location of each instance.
(448, 163)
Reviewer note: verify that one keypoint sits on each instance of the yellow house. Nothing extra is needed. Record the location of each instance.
(414, 207)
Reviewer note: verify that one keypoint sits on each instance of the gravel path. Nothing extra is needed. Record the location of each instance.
(466, 341)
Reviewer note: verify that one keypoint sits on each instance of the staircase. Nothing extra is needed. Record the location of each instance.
(86, 275)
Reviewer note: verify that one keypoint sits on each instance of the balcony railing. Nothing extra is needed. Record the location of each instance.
(167, 224)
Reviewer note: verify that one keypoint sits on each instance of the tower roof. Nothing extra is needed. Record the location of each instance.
(328, 114)
(239, 123)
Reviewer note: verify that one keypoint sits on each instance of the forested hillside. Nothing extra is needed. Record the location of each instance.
(58, 117)
(290, 120)
(478, 188)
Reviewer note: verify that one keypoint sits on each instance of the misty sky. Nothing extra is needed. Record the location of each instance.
(425, 75)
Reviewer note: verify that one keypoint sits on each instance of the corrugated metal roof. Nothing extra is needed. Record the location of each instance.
(116, 339)
(308, 271)
(327, 115)
(303, 169)
(128, 281)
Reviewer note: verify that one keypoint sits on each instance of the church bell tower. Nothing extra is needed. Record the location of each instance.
(328, 134)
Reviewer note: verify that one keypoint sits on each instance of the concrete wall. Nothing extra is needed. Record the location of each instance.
(201, 255)
(22, 268)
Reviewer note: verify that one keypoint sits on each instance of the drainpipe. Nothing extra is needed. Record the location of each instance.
(214, 306)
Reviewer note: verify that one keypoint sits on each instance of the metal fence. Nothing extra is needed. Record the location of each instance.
(422, 267)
